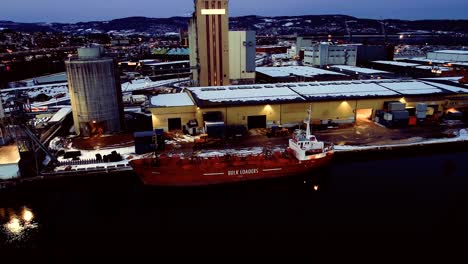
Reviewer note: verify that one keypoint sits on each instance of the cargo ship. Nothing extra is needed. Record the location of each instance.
(303, 154)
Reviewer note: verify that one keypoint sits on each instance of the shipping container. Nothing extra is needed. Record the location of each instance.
(388, 117)
(421, 107)
(144, 142)
(421, 115)
(396, 106)
(379, 113)
(400, 115)
(215, 129)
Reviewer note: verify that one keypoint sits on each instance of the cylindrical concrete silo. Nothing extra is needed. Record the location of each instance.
(95, 93)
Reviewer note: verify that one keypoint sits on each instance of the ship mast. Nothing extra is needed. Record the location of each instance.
(309, 111)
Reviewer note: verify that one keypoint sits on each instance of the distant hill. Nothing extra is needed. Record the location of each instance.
(284, 25)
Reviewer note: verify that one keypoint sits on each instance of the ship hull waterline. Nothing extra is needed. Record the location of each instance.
(214, 171)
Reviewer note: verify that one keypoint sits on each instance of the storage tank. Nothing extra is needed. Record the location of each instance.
(95, 92)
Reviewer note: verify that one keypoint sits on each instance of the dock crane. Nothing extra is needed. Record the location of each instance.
(350, 39)
(18, 123)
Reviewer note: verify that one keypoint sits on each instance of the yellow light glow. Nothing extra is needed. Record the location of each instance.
(27, 215)
(316, 187)
(213, 11)
(401, 36)
(403, 100)
(268, 107)
(14, 226)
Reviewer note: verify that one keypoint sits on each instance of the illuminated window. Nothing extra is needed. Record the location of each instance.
(213, 11)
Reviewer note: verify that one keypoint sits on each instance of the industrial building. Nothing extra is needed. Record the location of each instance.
(209, 43)
(296, 74)
(362, 73)
(165, 70)
(9, 162)
(263, 105)
(449, 55)
(271, 49)
(172, 111)
(368, 53)
(304, 42)
(414, 70)
(95, 93)
(315, 53)
(456, 59)
(242, 57)
(322, 54)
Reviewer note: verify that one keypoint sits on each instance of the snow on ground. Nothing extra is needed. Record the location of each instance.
(125, 152)
(146, 83)
(96, 166)
(462, 136)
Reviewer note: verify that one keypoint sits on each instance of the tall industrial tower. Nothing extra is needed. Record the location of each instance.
(209, 43)
(95, 93)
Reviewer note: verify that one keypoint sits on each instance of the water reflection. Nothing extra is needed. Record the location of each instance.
(16, 224)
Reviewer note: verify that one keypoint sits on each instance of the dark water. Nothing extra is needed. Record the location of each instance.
(388, 208)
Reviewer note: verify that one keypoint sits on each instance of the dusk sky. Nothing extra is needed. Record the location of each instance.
(87, 10)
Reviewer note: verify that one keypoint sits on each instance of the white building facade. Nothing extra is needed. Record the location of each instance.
(242, 57)
(323, 54)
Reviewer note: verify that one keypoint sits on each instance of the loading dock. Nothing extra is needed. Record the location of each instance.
(174, 124)
(256, 121)
(364, 114)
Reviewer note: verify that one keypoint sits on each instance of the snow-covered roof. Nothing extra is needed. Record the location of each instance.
(428, 60)
(451, 88)
(146, 83)
(305, 71)
(43, 86)
(358, 69)
(460, 63)
(60, 114)
(412, 87)
(244, 94)
(342, 90)
(165, 63)
(50, 78)
(465, 52)
(300, 92)
(428, 67)
(168, 100)
(397, 63)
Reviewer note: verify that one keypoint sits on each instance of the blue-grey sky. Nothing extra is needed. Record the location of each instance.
(87, 10)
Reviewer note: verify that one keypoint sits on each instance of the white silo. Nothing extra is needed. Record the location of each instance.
(95, 92)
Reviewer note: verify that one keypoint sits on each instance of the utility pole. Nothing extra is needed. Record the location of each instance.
(350, 39)
(384, 31)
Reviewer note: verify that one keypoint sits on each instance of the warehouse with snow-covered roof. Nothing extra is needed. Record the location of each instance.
(296, 74)
(449, 55)
(361, 73)
(264, 105)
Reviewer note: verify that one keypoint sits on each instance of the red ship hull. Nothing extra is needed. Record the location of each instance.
(170, 171)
